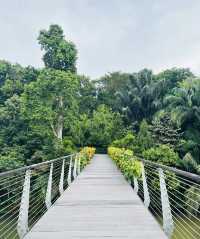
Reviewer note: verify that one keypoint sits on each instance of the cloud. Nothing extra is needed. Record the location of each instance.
(110, 35)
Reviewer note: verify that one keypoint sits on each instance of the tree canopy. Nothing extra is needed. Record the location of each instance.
(48, 112)
(60, 54)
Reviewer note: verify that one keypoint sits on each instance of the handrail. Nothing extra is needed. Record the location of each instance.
(191, 176)
(173, 197)
(33, 166)
(26, 193)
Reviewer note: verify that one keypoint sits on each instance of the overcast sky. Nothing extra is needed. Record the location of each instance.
(110, 35)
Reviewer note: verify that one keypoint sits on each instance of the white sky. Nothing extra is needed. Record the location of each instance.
(110, 35)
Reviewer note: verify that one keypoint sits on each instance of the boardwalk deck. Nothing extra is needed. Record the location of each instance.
(98, 204)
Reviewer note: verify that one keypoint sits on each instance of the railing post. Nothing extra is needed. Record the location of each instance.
(135, 185)
(22, 224)
(69, 177)
(75, 167)
(49, 187)
(168, 224)
(145, 188)
(61, 183)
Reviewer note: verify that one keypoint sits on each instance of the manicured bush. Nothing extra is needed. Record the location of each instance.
(126, 161)
(86, 155)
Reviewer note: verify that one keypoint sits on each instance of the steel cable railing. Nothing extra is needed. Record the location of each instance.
(173, 197)
(27, 193)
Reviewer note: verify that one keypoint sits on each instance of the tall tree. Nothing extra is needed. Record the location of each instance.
(50, 101)
(59, 53)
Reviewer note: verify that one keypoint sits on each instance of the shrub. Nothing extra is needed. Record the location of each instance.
(12, 158)
(126, 161)
(86, 155)
(162, 154)
(188, 164)
(125, 142)
(192, 201)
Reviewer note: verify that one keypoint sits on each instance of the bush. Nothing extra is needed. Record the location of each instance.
(127, 142)
(192, 201)
(161, 154)
(12, 158)
(126, 161)
(86, 155)
(188, 164)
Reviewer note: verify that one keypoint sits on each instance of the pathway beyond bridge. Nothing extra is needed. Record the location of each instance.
(98, 204)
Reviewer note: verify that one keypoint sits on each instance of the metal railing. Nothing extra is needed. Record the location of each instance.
(28, 192)
(173, 197)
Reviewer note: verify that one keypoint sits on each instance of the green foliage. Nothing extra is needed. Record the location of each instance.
(128, 142)
(68, 146)
(11, 158)
(126, 161)
(192, 201)
(188, 164)
(103, 126)
(144, 137)
(184, 102)
(53, 111)
(172, 77)
(59, 53)
(49, 102)
(86, 155)
(164, 131)
(80, 129)
(161, 154)
(87, 99)
(13, 79)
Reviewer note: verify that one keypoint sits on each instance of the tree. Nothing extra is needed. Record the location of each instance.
(140, 98)
(164, 131)
(144, 137)
(127, 142)
(105, 126)
(11, 158)
(59, 53)
(188, 164)
(5, 69)
(50, 101)
(81, 130)
(173, 77)
(110, 87)
(184, 102)
(87, 99)
(13, 126)
(162, 154)
(13, 79)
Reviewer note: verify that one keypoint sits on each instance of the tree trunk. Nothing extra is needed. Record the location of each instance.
(60, 123)
(60, 127)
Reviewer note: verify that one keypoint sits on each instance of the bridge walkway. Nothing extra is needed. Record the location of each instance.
(98, 204)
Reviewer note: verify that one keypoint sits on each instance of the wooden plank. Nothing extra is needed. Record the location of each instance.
(98, 204)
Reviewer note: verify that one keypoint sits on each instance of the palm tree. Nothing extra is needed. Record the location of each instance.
(142, 97)
(184, 102)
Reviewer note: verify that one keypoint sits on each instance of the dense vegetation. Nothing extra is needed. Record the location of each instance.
(45, 113)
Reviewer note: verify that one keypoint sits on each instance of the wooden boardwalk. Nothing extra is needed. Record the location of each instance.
(98, 204)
